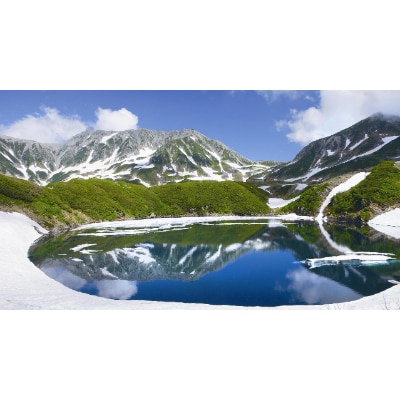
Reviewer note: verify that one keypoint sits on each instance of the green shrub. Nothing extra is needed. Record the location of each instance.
(380, 188)
(18, 189)
(210, 197)
(79, 200)
(309, 201)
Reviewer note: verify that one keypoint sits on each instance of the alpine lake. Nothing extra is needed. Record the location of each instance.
(244, 262)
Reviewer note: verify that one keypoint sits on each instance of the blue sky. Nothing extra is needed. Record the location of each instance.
(261, 125)
(244, 120)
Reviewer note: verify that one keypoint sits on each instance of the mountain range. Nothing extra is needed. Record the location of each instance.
(156, 157)
(144, 156)
(357, 148)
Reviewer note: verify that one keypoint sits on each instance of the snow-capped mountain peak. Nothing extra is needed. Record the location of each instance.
(360, 146)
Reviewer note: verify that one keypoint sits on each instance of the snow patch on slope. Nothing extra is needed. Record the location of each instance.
(307, 176)
(275, 202)
(358, 143)
(105, 139)
(6, 156)
(385, 140)
(348, 141)
(343, 187)
(190, 158)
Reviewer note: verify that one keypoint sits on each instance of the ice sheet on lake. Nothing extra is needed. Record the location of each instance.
(133, 227)
(353, 259)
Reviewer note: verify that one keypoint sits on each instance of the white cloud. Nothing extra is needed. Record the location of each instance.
(120, 120)
(338, 110)
(47, 127)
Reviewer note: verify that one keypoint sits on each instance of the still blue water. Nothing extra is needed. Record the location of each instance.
(250, 264)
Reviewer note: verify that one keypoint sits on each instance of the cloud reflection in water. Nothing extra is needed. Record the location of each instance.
(116, 289)
(66, 277)
(315, 289)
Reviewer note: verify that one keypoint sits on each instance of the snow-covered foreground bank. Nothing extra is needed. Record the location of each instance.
(23, 286)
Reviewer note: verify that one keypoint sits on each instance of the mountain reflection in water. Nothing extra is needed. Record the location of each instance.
(249, 264)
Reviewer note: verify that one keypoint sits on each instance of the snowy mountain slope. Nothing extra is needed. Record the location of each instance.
(27, 159)
(361, 146)
(147, 156)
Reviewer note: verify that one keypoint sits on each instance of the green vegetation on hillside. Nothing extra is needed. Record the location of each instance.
(309, 201)
(14, 191)
(379, 190)
(81, 201)
(210, 197)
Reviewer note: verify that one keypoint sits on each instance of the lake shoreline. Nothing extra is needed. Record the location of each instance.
(26, 287)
